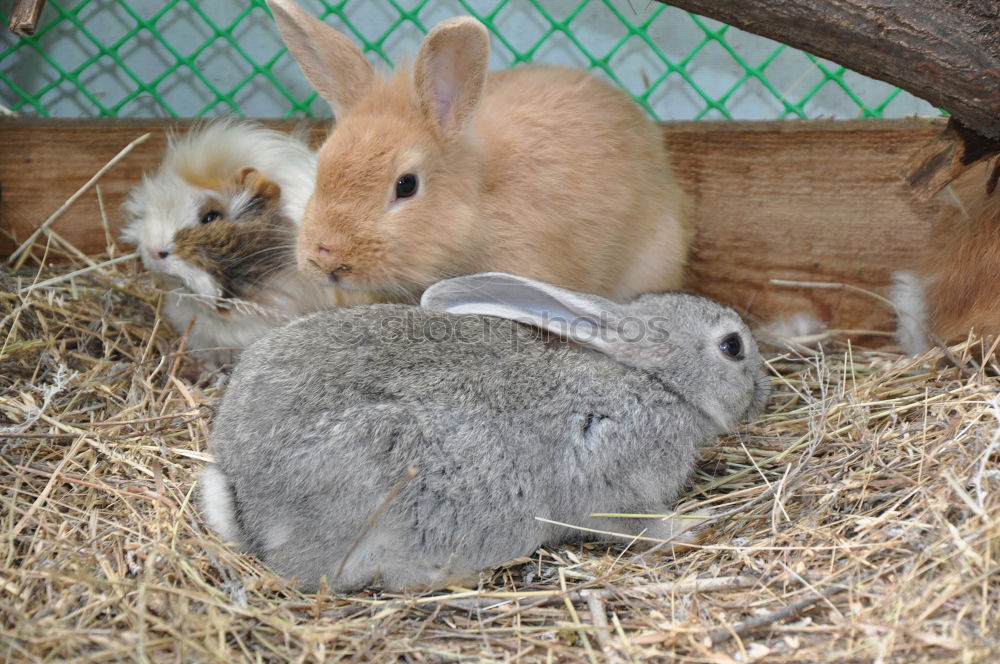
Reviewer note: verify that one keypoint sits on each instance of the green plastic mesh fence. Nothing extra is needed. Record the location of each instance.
(183, 58)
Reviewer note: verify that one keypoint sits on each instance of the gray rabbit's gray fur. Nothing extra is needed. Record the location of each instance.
(503, 422)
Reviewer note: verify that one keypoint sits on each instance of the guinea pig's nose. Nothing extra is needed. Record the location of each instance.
(158, 253)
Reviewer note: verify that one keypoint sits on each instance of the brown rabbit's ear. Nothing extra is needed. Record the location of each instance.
(450, 72)
(334, 65)
(261, 186)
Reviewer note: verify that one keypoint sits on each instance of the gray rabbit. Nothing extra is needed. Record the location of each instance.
(410, 447)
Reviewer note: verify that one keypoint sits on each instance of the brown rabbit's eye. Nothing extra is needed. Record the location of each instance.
(406, 185)
(210, 216)
(732, 347)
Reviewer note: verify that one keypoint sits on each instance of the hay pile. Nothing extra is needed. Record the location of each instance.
(861, 521)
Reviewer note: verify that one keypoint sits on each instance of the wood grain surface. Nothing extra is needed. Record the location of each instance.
(814, 201)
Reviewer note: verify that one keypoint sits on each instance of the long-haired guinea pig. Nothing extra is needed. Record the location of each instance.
(217, 222)
(955, 287)
(444, 169)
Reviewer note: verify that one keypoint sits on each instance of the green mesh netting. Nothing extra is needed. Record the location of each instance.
(189, 58)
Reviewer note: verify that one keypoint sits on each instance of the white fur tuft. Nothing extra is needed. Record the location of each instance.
(800, 331)
(217, 504)
(797, 327)
(911, 312)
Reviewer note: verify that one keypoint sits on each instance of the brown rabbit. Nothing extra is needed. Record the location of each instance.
(956, 285)
(443, 169)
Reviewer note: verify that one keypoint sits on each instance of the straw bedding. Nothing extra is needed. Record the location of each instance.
(859, 521)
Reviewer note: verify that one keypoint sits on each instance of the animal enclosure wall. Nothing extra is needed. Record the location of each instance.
(789, 201)
(856, 519)
(811, 201)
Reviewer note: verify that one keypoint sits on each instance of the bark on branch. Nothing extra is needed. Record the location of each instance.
(24, 17)
(944, 51)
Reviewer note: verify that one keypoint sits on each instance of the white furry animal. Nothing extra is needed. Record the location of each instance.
(911, 328)
(217, 222)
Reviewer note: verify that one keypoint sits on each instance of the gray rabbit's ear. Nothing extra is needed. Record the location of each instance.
(586, 319)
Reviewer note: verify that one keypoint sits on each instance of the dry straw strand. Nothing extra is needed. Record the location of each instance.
(44, 226)
(857, 520)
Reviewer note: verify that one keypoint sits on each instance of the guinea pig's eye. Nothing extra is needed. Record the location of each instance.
(210, 216)
(732, 347)
(406, 185)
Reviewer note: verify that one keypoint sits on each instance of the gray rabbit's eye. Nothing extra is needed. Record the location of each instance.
(732, 347)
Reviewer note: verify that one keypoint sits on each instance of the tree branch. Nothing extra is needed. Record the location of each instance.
(944, 51)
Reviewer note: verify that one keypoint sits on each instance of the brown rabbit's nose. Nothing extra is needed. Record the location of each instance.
(328, 261)
(336, 274)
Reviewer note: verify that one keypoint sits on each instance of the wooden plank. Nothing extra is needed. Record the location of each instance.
(806, 201)
(803, 201)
